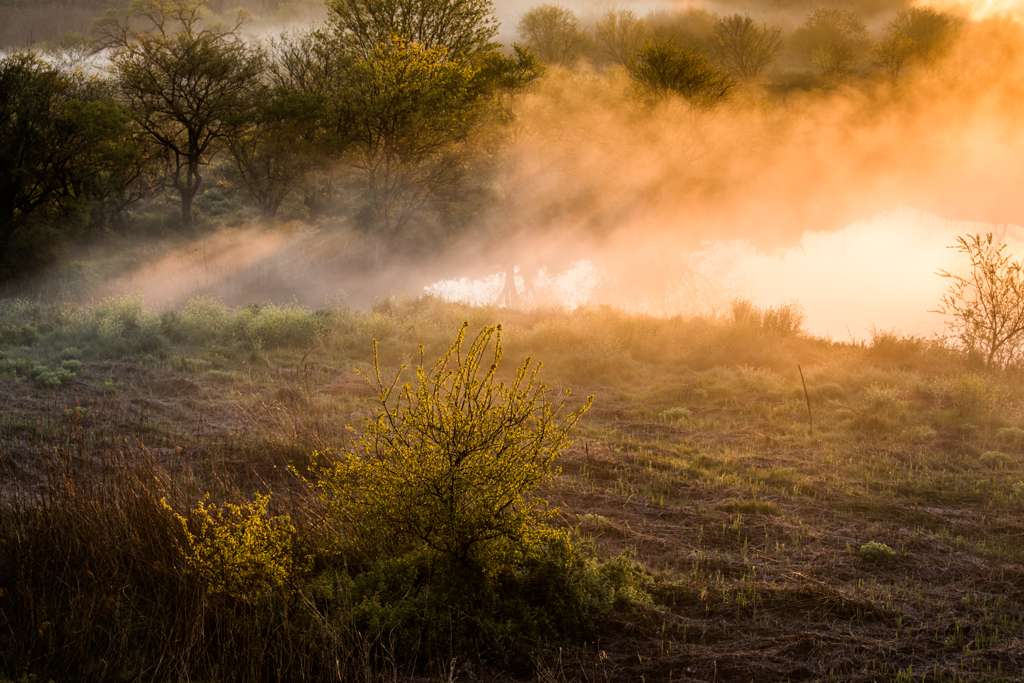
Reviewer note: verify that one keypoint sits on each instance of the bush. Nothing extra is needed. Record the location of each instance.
(239, 550)
(664, 66)
(877, 553)
(995, 460)
(451, 466)
(970, 395)
(676, 416)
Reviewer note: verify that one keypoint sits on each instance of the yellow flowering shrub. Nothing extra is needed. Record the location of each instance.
(451, 462)
(239, 549)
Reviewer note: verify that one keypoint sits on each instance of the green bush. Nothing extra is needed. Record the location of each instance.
(1010, 435)
(994, 460)
(239, 550)
(877, 553)
(675, 416)
(452, 464)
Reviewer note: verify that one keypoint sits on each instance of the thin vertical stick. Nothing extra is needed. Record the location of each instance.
(807, 396)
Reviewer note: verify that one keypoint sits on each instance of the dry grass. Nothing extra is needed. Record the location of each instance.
(696, 460)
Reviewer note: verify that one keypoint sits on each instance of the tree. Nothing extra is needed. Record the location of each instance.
(554, 33)
(930, 33)
(987, 306)
(690, 26)
(664, 67)
(833, 40)
(618, 34)
(414, 109)
(745, 48)
(183, 81)
(315, 65)
(892, 53)
(460, 27)
(64, 144)
(452, 463)
(277, 142)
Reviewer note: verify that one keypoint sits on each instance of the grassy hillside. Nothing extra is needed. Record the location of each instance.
(715, 534)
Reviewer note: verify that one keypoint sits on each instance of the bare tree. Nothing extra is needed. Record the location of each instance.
(619, 33)
(987, 306)
(892, 53)
(554, 33)
(743, 46)
(834, 41)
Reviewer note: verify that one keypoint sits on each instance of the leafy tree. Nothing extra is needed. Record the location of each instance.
(315, 66)
(64, 144)
(833, 40)
(664, 67)
(452, 463)
(184, 82)
(690, 26)
(987, 306)
(414, 110)
(744, 47)
(277, 142)
(930, 32)
(619, 33)
(460, 27)
(554, 33)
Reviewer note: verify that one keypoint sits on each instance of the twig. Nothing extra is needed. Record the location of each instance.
(807, 396)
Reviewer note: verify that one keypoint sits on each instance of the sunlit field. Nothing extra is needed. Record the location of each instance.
(447, 341)
(881, 540)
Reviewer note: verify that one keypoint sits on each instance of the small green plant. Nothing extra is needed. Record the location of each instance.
(675, 416)
(72, 366)
(452, 464)
(969, 394)
(239, 549)
(995, 460)
(922, 433)
(877, 553)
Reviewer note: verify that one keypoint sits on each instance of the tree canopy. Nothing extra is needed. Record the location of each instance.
(63, 144)
(183, 81)
(743, 46)
(664, 67)
(460, 27)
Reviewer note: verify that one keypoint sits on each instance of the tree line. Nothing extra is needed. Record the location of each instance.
(392, 112)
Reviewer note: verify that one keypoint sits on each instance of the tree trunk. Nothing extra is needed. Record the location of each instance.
(188, 191)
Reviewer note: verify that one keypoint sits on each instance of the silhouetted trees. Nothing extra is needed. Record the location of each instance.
(183, 81)
(64, 146)
(554, 33)
(743, 46)
(834, 41)
(619, 33)
(664, 67)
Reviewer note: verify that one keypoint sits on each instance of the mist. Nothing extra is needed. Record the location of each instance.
(667, 208)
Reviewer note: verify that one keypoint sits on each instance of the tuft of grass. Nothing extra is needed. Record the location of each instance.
(751, 507)
(995, 460)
